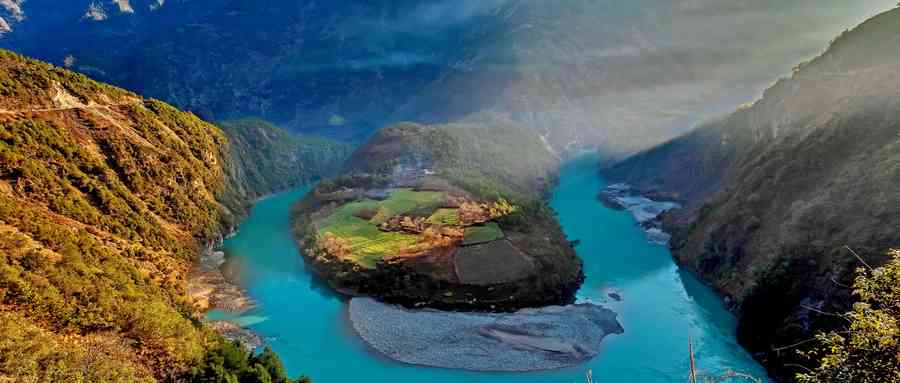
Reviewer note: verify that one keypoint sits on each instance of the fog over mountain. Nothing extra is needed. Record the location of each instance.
(618, 75)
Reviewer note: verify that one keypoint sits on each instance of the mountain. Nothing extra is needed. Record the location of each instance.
(106, 200)
(444, 216)
(52, 29)
(621, 76)
(780, 191)
(268, 159)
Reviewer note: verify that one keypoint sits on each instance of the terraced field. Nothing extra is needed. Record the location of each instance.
(406, 223)
(490, 232)
(366, 244)
(444, 217)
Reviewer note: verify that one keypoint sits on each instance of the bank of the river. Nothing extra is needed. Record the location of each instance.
(661, 307)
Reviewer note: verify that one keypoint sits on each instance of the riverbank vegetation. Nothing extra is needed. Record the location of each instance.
(867, 350)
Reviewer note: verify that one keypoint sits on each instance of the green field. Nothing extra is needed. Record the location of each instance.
(482, 234)
(406, 201)
(448, 217)
(369, 244)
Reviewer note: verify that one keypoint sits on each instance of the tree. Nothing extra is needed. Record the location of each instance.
(269, 361)
(869, 350)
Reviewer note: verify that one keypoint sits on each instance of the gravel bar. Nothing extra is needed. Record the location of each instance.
(528, 340)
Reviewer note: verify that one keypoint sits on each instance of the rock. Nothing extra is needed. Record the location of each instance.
(528, 340)
(209, 287)
(234, 332)
(645, 211)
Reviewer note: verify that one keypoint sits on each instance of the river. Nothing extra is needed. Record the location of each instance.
(662, 306)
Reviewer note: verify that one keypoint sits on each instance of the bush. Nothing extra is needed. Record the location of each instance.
(868, 351)
(228, 362)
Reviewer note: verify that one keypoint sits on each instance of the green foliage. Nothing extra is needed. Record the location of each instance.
(228, 362)
(448, 217)
(30, 354)
(489, 160)
(23, 84)
(406, 201)
(363, 239)
(102, 211)
(268, 159)
(869, 351)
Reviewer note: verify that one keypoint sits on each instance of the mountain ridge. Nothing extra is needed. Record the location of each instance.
(781, 193)
(106, 200)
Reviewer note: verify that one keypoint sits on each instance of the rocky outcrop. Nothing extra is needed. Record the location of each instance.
(645, 211)
(777, 192)
(527, 340)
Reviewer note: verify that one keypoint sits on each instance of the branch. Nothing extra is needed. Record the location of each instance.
(858, 257)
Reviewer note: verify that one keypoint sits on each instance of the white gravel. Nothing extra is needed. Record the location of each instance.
(528, 340)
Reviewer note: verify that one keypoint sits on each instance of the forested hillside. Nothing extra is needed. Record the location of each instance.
(781, 190)
(268, 159)
(106, 199)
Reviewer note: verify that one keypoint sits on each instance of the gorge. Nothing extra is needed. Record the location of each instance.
(466, 190)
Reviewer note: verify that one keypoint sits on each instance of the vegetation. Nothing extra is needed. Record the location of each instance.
(406, 201)
(868, 350)
(228, 362)
(776, 191)
(444, 217)
(487, 160)
(448, 216)
(106, 199)
(270, 159)
(490, 232)
(365, 243)
(360, 231)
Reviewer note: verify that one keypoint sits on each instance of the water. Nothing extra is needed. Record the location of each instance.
(662, 306)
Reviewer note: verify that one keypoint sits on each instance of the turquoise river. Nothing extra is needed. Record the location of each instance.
(662, 307)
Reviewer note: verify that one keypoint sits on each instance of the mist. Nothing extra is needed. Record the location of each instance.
(624, 76)
(620, 76)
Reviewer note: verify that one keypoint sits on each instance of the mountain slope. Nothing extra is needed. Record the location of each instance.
(268, 159)
(621, 76)
(106, 199)
(778, 190)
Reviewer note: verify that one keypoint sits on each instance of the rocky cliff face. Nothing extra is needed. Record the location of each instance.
(106, 199)
(778, 190)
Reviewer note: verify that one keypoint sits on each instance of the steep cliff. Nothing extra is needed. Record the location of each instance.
(778, 191)
(106, 199)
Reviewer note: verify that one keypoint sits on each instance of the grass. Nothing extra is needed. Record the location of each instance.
(448, 217)
(367, 243)
(407, 201)
(356, 225)
(482, 234)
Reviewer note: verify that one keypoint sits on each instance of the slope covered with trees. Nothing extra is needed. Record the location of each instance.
(779, 191)
(268, 159)
(106, 199)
